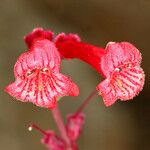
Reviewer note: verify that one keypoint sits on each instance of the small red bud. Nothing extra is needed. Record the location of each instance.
(52, 141)
(74, 125)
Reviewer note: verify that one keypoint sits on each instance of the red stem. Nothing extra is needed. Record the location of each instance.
(85, 102)
(60, 124)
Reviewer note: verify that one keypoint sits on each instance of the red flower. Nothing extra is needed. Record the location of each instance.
(119, 63)
(124, 76)
(37, 34)
(37, 73)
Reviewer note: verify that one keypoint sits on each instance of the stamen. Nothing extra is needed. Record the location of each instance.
(45, 70)
(118, 69)
(30, 72)
(30, 128)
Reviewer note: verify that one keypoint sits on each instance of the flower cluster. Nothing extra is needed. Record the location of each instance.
(38, 78)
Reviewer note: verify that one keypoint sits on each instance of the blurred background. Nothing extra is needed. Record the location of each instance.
(123, 126)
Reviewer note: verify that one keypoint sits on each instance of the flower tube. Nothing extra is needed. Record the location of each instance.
(118, 63)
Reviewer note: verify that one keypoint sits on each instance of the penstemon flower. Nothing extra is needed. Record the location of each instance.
(37, 75)
(119, 63)
(124, 76)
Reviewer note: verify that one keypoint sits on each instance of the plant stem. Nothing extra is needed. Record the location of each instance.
(85, 102)
(60, 124)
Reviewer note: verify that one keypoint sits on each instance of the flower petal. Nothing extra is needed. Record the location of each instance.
(65, 86)
(123, 85)
(124, 76)
(38, 33)
(42, 54)
(29, 91)
(107, 93)
(67, 51)
(131, 52)
(118, 54)
(62, 37)
(42, 88)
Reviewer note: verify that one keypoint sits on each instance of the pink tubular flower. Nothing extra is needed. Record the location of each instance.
(37, 72)
(119, 63)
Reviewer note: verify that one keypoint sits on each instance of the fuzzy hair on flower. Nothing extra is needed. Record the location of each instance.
(37, 72)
